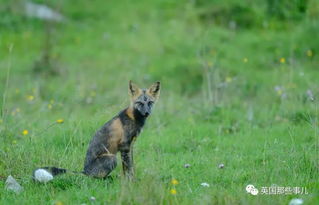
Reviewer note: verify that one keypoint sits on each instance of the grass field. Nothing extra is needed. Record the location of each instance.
(242, 94)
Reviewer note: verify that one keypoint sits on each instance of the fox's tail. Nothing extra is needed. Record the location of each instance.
(46, 174)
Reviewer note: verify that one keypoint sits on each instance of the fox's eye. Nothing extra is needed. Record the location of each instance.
(139, 103)
(150, 103)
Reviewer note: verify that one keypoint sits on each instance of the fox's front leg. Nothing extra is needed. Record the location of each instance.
(127, 162)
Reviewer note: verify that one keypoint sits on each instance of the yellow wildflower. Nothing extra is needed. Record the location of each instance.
(282, 60)
(173, 191)
(59, 121)
(245, 60)
(93, 93)
(309, 53)
(228, 79)
(291, 85)
(25, 132)
(174, 182)
(30, 97)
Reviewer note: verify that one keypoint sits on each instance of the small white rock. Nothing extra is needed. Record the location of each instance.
(92, 198)
(42, 11)
(220, 166)
(204, 184)
(296, 202)
(13, 185)
(310, 95)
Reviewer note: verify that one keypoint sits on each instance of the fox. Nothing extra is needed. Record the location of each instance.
(116, 135)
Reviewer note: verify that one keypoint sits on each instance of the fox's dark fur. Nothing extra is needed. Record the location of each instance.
(118, 134)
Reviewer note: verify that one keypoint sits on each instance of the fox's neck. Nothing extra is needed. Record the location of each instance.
(139, 119)
(135, 116)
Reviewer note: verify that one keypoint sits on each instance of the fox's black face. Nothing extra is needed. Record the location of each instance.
(144, 104)
(142, 100)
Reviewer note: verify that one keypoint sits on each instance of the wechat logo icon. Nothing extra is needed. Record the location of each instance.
(251, 189)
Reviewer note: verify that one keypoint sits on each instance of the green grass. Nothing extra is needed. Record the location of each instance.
(215, 107)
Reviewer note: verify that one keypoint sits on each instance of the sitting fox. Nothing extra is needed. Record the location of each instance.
(118, 134)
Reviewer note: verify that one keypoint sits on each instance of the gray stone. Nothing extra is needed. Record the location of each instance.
(13, 185)
(43, 12)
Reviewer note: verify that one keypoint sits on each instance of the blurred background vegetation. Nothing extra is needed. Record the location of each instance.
(231, 71)
(165, 40)
(214, 52)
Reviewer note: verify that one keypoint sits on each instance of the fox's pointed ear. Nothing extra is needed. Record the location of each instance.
(154, 90)
(132, 88)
